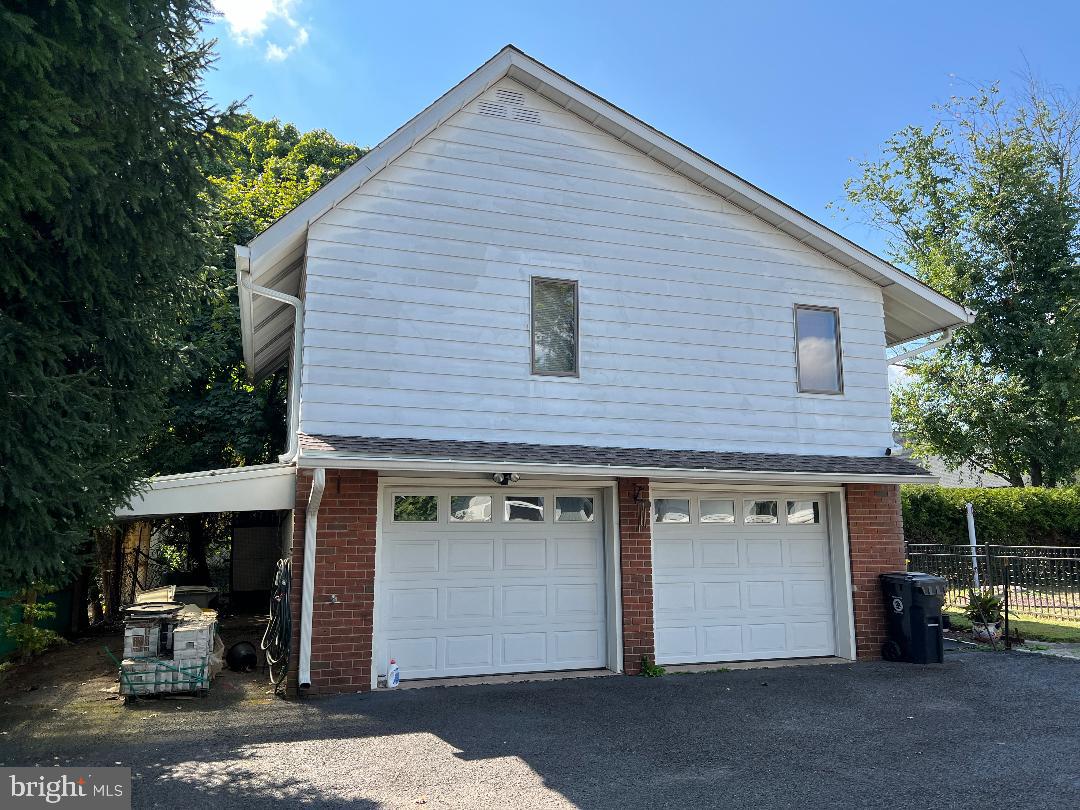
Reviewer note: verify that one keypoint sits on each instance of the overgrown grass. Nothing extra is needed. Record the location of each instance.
(1030, 627)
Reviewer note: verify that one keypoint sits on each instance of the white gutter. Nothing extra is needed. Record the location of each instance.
(946, 336)
(311, 526)
(243, 278)
(344, 460)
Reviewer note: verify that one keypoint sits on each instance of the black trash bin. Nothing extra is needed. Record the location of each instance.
(913, 606)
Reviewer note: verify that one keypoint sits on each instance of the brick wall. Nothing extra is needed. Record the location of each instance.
(636, 571)
(876, 534)
(341, 632)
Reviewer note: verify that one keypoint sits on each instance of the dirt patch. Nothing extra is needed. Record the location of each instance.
(77, 683)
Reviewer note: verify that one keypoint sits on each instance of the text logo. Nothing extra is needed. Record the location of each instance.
(86, 788)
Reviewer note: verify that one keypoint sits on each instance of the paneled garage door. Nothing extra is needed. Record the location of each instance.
(741, 577)
(475, 582)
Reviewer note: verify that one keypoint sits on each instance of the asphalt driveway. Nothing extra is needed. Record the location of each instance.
(996, 730)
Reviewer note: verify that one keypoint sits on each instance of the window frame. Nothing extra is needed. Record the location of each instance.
(438, 508)
(532, 328)
(839, 351)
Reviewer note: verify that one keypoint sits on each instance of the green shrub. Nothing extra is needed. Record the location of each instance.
(1012, 516)
(650, 670)
(984, 606)
(19, 618)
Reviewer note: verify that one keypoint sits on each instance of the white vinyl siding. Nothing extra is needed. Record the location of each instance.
(418, 315)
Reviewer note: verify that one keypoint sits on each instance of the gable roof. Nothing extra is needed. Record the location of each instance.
(275, 257)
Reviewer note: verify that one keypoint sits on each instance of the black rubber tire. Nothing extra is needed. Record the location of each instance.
(891, 651)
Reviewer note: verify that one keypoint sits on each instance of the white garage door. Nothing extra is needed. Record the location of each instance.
(740, 577)
(475, 582)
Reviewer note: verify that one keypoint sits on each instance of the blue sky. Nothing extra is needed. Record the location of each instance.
(785, 94)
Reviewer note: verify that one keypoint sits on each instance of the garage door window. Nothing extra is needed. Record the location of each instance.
(573, 510)
(470, 508)
(525, 508)
(759, 511)
(715, 510)
(802, 512)
(672, 510)
(416, 508)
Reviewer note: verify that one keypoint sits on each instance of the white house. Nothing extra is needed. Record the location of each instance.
(567, 394)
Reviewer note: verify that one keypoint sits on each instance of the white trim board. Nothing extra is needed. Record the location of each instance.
(913, 309)
(404, 466)
(239, 489)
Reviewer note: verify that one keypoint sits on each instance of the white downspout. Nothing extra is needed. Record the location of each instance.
(243, 278)
(311, 526)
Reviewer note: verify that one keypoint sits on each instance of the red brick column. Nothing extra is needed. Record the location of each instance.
(635, 538)
(876, 534)
(341, 631)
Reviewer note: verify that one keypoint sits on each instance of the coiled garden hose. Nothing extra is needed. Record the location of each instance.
(277, 640)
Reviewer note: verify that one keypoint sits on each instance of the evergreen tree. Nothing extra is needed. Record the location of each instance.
(103, 223)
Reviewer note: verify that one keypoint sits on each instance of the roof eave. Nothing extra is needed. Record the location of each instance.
(346, 460)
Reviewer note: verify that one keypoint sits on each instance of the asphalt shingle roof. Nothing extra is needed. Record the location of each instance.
(583, 455)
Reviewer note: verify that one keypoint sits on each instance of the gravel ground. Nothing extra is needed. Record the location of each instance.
(985, 729)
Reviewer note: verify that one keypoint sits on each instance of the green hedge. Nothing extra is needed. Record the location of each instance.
(1014, 516)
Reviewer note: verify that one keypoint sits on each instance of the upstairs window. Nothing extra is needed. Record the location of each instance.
(554, 327)
(817, 342)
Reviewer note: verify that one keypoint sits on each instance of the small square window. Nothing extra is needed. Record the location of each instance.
(717, 510)
(759, 511)
(802, 512)
(416, 508)
(671, 510)
(817, 350)
(554, 327)
(525, 508)
(470, 508)
(573, 510)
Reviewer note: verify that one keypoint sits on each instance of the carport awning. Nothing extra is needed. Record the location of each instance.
(239, 489)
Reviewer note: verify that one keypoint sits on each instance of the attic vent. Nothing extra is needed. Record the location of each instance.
(510, 96)
(527, 115)
(491, 108)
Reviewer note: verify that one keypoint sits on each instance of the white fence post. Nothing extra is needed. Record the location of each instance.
(973, 543)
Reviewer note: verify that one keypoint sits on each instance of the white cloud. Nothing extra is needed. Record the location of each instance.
(252, 22)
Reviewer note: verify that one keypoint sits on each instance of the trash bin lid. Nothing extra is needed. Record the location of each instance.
(928, 584)
(895, 577)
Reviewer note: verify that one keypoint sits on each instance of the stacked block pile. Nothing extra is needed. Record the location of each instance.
(169, 648)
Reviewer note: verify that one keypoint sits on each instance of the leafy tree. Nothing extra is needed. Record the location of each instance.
(103, 136)
(984, 207)
(216, 418)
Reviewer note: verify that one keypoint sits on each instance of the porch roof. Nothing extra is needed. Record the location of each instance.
(238, 489)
